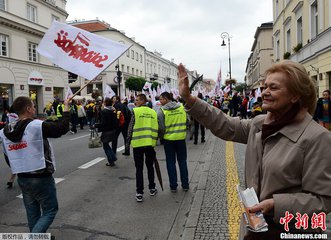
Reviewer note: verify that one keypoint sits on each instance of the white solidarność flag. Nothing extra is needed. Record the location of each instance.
(69, 93)
(78, 51)
(147, 85)
(108, 93)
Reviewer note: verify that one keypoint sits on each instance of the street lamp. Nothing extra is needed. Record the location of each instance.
(119, 78)
(225, 35)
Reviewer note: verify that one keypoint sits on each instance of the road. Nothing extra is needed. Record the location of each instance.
(71, 152)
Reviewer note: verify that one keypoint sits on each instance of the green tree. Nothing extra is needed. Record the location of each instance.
(240, 87)
(135, 83)
(154, 85)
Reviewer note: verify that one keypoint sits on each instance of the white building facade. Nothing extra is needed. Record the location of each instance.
(23, 72)
(160, 69)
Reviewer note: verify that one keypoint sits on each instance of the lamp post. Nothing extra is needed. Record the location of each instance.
(119, 78)
(226, 35)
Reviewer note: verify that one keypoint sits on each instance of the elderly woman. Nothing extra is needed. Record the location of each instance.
(288, 154)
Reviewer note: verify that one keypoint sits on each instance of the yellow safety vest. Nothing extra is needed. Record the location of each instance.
(145, 129)
(58, 114)
(175, 123)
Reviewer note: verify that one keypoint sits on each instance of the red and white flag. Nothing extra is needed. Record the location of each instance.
(147, 86)
(227, 89)
(79, 51)
(69, 93)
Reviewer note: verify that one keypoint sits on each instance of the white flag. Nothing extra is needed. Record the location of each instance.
(147, 85)
(258, 92)
(166, 88)
(108, 93)
(227, 89)
(69, 93)
(79, 51)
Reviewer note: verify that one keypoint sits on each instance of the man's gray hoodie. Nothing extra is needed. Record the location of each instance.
(160, 116)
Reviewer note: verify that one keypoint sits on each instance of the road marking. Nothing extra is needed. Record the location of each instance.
(91, 163)
(232, 180)
(57, 180)
(120, 148)
(79, 137)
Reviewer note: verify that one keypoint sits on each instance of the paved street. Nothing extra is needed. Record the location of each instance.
(98, 202)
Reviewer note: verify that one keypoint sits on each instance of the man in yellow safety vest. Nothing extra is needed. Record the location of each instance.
(173, 123)
(142, 133)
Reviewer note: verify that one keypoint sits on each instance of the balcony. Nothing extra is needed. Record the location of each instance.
(154, 77)
(317, 46)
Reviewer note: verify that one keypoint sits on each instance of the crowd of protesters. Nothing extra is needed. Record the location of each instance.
(141, 123)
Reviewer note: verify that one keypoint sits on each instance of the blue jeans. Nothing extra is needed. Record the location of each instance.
(109, 152)
(40, 201)
(173, 149)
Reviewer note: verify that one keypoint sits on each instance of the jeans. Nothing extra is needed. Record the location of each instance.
(40, 201)
(109, 152)
(173, 149)
(124, 131)
(138, 155)
(196, 131)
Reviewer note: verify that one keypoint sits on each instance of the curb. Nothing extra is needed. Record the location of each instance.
(193, 217)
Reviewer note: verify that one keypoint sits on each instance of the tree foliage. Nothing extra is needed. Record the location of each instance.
(240, 87)
(135, 83)
(154, 85)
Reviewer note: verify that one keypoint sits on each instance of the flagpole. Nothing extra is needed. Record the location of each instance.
(79, 90)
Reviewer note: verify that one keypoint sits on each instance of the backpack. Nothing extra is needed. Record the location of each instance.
(72, 109)
(120, 118)
(89, 111)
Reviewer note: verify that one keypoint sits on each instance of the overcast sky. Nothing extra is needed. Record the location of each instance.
(187, 30)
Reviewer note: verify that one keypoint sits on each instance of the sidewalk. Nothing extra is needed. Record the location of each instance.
(99, 202)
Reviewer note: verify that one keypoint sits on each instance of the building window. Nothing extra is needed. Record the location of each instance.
(128, 69)
(31, 13)
(137, 56)
(299, 30)
(4, 45)
(122, 67)
(3, 5)
(55, 18)
(128, 53)
(32, 52)
(132, 71)
(137, 72)
(314, 19)
(132, 54)
(141, 58)
(141, 73)
(277, 50)
(288, 40)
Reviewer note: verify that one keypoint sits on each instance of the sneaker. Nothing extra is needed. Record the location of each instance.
(112, 164)
(173, 190)
(203, 140)
(139, 197)
(186, 189)
(72, 132)
(195, 143)
(153, 191)
(126, 154)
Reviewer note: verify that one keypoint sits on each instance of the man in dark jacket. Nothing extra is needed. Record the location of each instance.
(26, 147)
(323, 110)
(108, 123)
(121, 108)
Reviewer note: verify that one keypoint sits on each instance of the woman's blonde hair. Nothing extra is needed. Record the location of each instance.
(298, 82)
